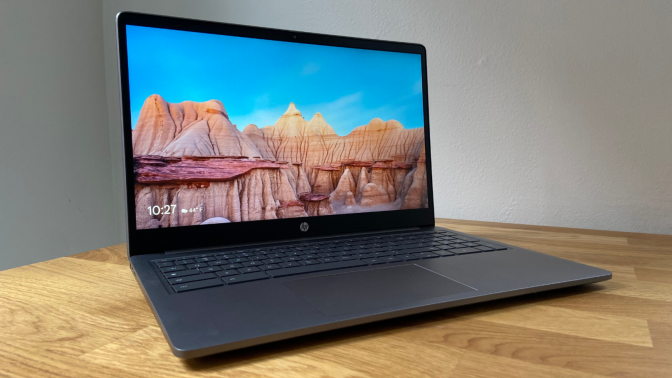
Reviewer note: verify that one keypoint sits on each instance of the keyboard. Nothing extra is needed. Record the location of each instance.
(252, 263)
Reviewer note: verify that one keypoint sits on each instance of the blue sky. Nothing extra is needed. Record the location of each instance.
(257, 79)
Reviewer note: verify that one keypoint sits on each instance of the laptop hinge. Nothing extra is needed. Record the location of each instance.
(205, 249)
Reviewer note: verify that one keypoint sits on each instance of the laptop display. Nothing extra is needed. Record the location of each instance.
(232, 129)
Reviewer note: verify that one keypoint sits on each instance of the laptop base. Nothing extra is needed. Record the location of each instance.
(219, 319)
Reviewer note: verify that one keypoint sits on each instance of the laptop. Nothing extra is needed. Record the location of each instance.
(279, 184)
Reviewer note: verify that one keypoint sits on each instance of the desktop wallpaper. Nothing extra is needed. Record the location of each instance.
(230, 129)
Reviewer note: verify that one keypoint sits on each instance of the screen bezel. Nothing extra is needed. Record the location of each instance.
(197, 237)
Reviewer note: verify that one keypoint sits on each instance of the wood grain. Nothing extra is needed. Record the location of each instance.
(84, 316)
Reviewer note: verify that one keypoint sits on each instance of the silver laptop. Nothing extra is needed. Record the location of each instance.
(279, 184)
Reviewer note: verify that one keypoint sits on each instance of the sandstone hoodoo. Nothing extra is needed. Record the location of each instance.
(350, 199)
(316, 204)
(191, 158)
(346, 184)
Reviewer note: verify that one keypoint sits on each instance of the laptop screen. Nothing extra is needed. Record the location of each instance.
(232, 129)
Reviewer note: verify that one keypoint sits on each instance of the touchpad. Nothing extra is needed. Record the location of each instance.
(343, 293)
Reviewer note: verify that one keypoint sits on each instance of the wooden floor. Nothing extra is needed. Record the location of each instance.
(84, 316)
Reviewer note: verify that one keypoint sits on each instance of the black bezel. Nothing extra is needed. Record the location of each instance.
(163, 239)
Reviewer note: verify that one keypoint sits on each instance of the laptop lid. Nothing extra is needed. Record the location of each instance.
(235, 134)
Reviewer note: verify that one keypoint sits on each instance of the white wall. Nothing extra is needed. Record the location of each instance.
(55, 186)
(542, 112)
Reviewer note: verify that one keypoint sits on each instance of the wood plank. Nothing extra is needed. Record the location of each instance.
(653, 275)
(600, 303)
(471, 366)
(573, 322)
(533, 346)
(115, 254)
(368, 356)
(639, 289)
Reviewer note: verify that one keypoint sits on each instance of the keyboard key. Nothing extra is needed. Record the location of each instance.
(463, 251)
(494, 246)
(444, 253)
(238, 260)
(466, 238)
(198, 265)
(273, 261)
(289, 264)
(232, 266)
(417, 250)
(183, 273)
(172, 269)
(310, 262)
(484, 248)
(456, 245)
(374, 261)
(328, 260)
(364, 256)
(225, 273)
(315, 268)
(348, 258)
(269, 267)
(197, 285)
(205, 259)
(187, 279)
(210, 269)
(184, 262)
(164, 264)
(292, 258)
(244, 278)
(408, 257)
(391, 259)
(218, 263)
(427, 255)
(251, 269)
(253, 263)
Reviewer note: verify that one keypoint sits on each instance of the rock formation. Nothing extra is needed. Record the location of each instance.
(192, 157)
(363, 180)
(381, 176)
(231, 188)
(323, 183)
(415, 196)
(291, 209)
(317, 204)
(346, 184)
(315, 144)
(350, 199)
(373, 195)
(164, 129)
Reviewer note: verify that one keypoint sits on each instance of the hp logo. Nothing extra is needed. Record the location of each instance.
(304, 226)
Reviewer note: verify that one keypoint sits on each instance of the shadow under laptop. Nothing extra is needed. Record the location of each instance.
(279, 349)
